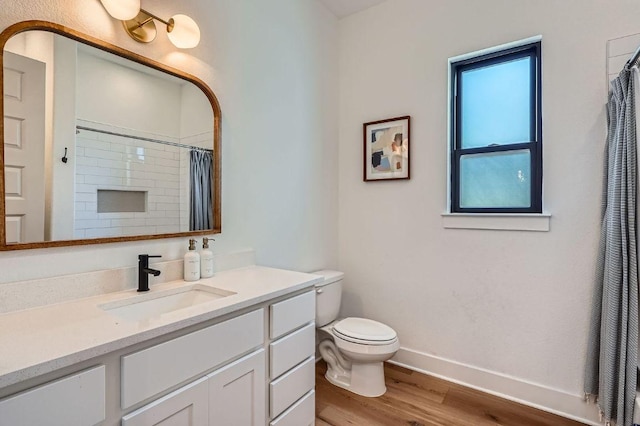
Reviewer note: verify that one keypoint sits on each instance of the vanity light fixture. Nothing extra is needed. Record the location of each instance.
(122, 9)
(182, 31)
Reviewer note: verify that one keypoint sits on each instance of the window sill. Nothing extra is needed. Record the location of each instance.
(537, 222)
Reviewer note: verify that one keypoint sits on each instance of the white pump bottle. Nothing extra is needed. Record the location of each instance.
(206, 259)
(192, 263)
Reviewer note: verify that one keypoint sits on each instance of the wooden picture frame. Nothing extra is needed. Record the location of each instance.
(386, 149)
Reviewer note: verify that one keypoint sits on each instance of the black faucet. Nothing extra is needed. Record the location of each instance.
(144, 271)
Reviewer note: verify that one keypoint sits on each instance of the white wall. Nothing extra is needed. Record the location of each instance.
(512, 304)
(273, 66)
(113, 94)
(64, 134)
(196, 115)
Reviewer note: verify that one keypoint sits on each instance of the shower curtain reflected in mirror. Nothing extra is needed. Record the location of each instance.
(201, 197)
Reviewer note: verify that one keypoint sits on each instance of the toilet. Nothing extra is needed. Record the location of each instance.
(353, 348)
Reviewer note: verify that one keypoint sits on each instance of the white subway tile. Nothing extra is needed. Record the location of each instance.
(171, 184)
(168, 206)
(164, 199)
(167, 163)
(103, 180)
(87, 198)
(122, 215)
(147, 183)
(84, 161)
(128, 222)
(89, 223)
(92, 170)
(103, 232)
(85, 215)
(102, 154)
(114, 164)
(158, 221)
(91, 144)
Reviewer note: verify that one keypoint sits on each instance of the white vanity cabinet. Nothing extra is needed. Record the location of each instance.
(292, 361)
(252, 367)
(257, 379)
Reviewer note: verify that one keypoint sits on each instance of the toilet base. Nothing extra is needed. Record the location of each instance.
(363, 379)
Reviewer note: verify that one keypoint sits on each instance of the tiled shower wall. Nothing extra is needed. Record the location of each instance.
(118, 163)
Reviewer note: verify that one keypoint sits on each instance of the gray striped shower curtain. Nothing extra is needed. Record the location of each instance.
(612, 357)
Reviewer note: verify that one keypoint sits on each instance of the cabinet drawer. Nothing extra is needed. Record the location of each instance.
(302, 413)
(291, 386)
(153, 370)
(77, 400)
(292, 313)
(292, 350)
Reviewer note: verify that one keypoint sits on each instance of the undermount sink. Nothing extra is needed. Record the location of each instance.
(154, 304)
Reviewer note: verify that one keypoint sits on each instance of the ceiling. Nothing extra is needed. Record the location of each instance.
(342, 8)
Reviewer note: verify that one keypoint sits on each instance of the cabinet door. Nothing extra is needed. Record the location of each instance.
(237, 393)
(188, 406)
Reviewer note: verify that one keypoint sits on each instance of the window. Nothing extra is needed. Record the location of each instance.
(496, 132)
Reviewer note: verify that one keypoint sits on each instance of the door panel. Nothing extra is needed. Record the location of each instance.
(24, 108)
(237, 393)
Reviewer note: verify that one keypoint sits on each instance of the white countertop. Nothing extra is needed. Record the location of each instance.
(40, 340)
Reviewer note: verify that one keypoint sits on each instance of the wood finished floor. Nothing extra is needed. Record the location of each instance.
(414, 399)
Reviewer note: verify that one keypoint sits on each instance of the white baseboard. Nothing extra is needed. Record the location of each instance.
(514, 389)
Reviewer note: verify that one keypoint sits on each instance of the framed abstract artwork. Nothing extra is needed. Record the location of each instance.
(386, 149)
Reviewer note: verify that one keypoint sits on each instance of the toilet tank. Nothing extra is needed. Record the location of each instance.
(328, 296)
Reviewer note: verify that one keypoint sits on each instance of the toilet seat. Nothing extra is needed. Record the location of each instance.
(364, 332)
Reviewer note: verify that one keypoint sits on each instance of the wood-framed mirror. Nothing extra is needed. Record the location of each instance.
(100, 144)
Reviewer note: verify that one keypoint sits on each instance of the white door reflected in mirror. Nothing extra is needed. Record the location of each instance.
(24, 120)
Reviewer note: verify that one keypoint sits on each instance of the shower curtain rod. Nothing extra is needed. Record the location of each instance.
(634, 60)
(106, 132)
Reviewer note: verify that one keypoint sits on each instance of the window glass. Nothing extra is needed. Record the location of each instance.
(496, 179)
(496, 104)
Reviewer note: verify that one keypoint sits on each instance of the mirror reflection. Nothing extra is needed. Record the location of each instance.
(98, 146)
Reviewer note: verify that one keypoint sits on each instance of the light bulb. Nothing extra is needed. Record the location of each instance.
(185, 33)
(122, 9)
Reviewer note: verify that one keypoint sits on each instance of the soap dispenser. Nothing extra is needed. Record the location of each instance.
(206, 259)
(192, 263)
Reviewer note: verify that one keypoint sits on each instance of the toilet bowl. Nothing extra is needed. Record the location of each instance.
(353, 348)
